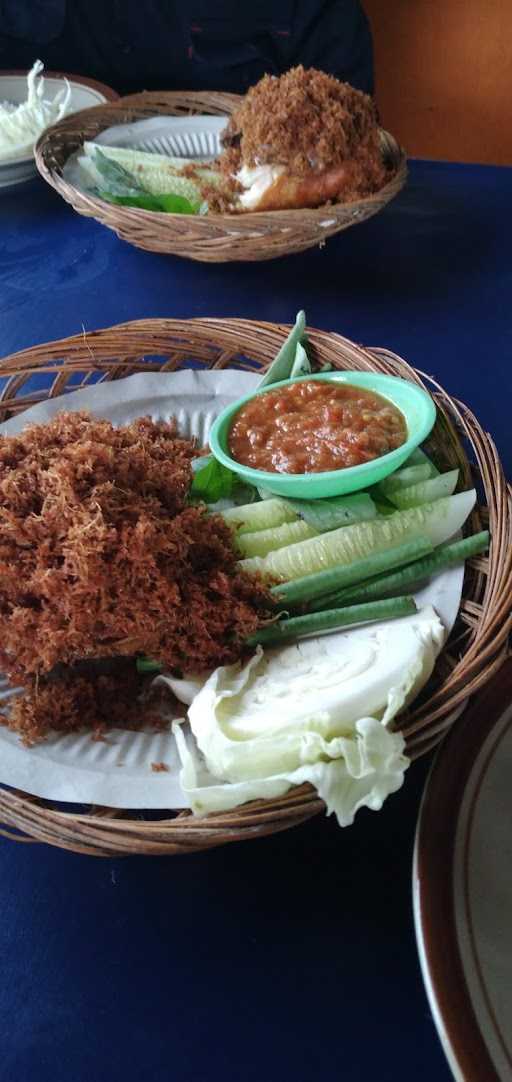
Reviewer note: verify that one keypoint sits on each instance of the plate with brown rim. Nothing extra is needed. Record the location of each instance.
(462, 887)
(85, 93)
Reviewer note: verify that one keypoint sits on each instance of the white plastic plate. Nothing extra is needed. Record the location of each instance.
(118, 772)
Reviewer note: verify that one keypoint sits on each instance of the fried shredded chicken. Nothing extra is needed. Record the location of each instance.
(221, 196)
(308, 122)
(100, 557)
(96, 701)
(222, 199)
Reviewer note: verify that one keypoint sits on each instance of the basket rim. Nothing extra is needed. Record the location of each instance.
(485, 617)
(249, 219)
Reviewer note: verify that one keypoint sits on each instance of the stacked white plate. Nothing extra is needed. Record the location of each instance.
(13, 88)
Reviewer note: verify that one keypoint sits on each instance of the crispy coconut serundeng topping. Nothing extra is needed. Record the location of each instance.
(100, 556)
(305, 120)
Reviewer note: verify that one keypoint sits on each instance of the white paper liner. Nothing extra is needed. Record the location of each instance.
(118, 772)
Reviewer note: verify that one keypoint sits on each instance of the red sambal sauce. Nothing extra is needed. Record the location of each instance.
(313, 426)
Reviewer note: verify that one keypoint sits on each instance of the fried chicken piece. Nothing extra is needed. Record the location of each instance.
(301, 140)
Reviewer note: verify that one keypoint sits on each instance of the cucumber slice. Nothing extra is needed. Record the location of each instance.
(261, 542)
(427, 491)
(156, 173)
(419, 458)
(437, 521)
(259, 516)
(409, 475)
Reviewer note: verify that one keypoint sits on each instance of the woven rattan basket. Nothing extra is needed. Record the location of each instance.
(215, 238)
(476, 648)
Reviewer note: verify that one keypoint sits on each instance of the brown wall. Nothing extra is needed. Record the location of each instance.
(443, 71)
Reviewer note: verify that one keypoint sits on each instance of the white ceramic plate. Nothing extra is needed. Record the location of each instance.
(117, 772)
(462, 887)
(13, 88)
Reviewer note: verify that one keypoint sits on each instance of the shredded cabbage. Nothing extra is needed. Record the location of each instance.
(21, 125)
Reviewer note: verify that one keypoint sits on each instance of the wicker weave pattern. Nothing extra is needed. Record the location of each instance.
(216, 238)
(479, 641)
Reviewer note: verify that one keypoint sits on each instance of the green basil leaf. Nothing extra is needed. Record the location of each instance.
(166, 204)
(136, 199)
(213, 482)
(281, 367)
(200, 462)
(177, 204)
(116, 174)
(301, 365)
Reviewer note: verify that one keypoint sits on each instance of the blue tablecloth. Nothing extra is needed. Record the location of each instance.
(291, 957)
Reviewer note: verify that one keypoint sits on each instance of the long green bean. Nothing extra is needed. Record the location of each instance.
(333, 579)
(297, 627)
(453, 552)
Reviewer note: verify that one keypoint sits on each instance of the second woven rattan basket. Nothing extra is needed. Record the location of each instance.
(475, 650)
(214, 238)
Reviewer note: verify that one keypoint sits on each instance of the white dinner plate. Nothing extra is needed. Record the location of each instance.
(462, 885)
(13, 88)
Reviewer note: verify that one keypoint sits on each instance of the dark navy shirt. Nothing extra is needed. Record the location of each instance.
(187, 44)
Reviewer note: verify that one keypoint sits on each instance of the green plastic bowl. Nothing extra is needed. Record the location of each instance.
(416, 405)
